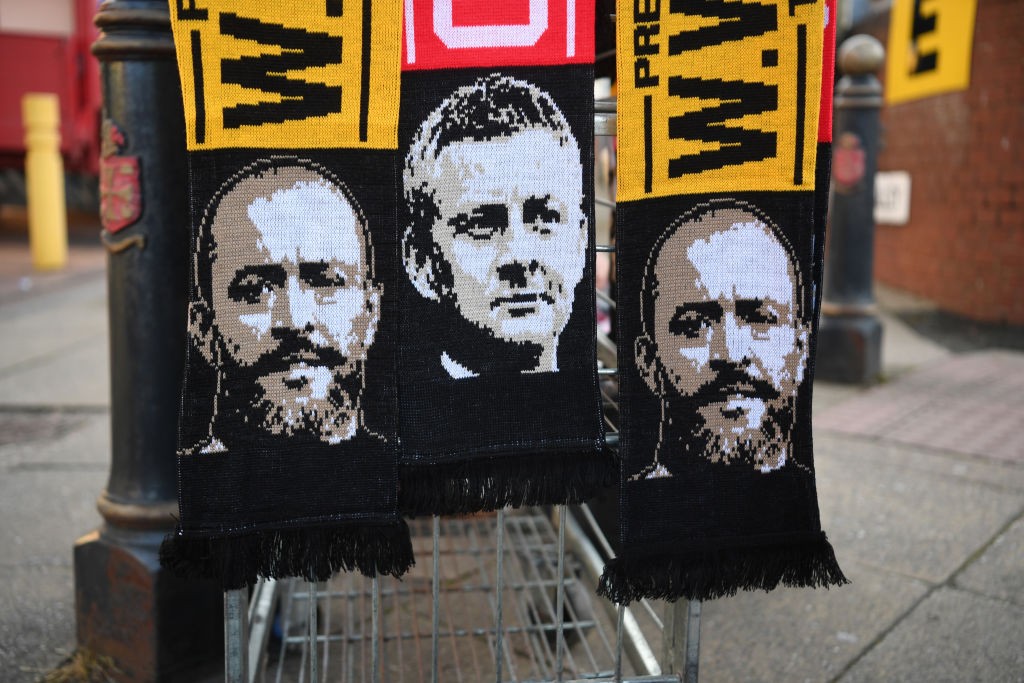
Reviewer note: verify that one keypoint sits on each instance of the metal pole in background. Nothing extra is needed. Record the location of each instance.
(236, 635)
(153, 625)
(850, 335)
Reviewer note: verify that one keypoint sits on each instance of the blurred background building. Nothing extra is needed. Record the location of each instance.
(958, 239)
(44, 47)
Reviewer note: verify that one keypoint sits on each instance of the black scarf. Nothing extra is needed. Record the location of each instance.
(718, 265)
(498, 389)
(288, 458)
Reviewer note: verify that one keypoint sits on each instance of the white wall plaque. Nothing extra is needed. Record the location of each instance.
(892, 197)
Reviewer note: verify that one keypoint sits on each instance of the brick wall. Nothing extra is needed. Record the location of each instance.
(964, 245)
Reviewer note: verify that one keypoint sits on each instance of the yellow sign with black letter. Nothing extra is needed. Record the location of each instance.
(289, 74)
(929, 48)
(718, 95)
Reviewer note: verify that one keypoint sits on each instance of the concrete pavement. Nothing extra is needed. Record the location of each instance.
(920, 479)
(54, 448)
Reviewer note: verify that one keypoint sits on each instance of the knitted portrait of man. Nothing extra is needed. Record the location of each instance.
(724, 343)
(496, 229)
(285, 305)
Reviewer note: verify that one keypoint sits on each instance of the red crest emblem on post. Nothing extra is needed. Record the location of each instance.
(120, 189)
(848, 161)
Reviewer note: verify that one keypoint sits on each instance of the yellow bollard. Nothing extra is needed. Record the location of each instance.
(44, 181)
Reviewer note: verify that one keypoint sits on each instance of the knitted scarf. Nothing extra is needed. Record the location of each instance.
(498, 393)
(288, 437)
(718, 260)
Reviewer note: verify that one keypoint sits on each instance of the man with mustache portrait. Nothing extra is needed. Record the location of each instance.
(285, 307)
(724, 343)
(496, 233)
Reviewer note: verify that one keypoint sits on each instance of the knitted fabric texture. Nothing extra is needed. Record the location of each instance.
(717, 265)
(823, 168)
(498, 388)
(287, 434)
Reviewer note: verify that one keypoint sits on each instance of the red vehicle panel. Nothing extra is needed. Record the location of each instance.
(57, 64)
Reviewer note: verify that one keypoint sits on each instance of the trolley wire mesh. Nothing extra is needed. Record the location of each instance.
(477, 613)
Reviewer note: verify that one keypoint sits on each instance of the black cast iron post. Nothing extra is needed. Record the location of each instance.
(850, 335)
(154, 626)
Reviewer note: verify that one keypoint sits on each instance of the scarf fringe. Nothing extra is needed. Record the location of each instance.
(718, 574)
(494, 483)
(314, 554)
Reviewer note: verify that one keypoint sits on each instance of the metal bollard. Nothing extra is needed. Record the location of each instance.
(155, 626)
(44, 180)
(850, 335)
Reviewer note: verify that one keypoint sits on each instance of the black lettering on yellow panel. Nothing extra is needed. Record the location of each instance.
(289, 74)
(723, 95)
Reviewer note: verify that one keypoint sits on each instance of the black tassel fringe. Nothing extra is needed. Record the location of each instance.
(810, 564)
(494, 483)
(314, 554)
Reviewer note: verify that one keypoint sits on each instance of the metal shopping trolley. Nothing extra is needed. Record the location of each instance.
(506, 596)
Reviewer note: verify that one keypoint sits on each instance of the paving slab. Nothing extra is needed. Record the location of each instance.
(37, 622)
(48, 489)
(34, 428)
(57, 438)
(969, 403)
(48, 493)
(19, 280)
(800, 634)
(38, 328)
(955, 466)
(76, 376)
(999, 572)
(44, 513)
(919, 523)
(952, 636)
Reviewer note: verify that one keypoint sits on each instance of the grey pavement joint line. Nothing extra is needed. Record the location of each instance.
(981, 594)
(981, 551)
(36, 361)
(888, 570)
(74, 409)
(49, 288)
(58, 467)
(85, 288)
(932, 588)
(39, 563)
